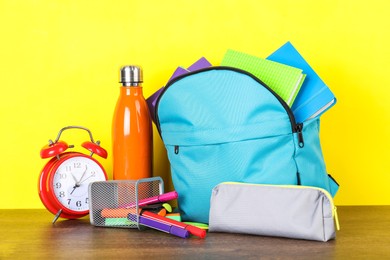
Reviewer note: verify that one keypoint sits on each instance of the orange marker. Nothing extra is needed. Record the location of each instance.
(118, 213)
(162, 212)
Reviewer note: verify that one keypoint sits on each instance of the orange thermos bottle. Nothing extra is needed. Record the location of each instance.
(132, 136)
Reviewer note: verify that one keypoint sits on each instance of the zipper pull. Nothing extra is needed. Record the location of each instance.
(336, 218)
(299, 128)
(298, 179)
(176, 150)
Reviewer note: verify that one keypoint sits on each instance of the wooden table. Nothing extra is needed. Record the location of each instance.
(29, 234)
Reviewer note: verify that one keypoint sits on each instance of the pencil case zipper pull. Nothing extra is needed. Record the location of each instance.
(336, 218)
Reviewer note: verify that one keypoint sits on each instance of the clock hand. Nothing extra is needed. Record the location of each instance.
(74, 187)
(74, 178)
(77, 184)
(82, 176)
(85, 179)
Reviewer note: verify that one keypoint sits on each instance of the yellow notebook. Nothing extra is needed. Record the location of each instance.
(283, 79)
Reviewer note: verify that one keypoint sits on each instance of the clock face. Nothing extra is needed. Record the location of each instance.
(71, 180)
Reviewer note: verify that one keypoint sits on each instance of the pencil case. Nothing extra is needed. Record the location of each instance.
(292, 211)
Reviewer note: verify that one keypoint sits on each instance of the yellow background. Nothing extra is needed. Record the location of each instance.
(60, 61)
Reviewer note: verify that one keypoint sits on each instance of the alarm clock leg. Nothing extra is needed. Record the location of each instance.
(57, 216)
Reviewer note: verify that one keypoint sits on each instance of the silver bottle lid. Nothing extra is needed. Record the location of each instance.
(131, 75)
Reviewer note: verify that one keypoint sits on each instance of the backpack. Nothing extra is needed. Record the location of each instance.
(222, 124)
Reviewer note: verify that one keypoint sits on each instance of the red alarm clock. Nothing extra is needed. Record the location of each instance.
(64, 180)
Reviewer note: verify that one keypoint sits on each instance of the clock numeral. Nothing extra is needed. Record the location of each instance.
(77, 165)
(62, 194)
(93, 173)
(78, 203)
(62, 175)
(68, 168)
(86, 200)
(58, 185)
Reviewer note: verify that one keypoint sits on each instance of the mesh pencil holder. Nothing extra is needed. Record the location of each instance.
(115, 203)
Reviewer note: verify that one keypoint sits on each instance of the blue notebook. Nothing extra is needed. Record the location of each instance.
(314, 97)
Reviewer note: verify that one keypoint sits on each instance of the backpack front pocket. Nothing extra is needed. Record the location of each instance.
(196, 169)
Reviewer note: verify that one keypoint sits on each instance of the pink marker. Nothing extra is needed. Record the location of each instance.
(156, 199)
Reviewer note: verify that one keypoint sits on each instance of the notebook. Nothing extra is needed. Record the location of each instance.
(199, 64)
(314, 97)
(283, 79)
(179, 71)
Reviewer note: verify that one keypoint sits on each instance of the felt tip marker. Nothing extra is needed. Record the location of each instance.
(156, 199)
(118, 213)
(174, 230)
(124, 212)
(192, 229)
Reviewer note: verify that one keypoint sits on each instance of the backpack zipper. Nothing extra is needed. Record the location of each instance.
(299, 128)
(176, 149)
(296, 128)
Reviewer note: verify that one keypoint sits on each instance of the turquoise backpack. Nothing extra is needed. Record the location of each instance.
(223, 124)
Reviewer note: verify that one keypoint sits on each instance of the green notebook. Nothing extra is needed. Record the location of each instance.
(284, 80)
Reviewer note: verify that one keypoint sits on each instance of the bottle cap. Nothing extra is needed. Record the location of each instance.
(131, 75)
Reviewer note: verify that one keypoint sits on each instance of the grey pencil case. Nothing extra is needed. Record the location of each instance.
(291, 211)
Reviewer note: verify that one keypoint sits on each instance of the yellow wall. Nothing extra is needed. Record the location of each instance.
(60, 60)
